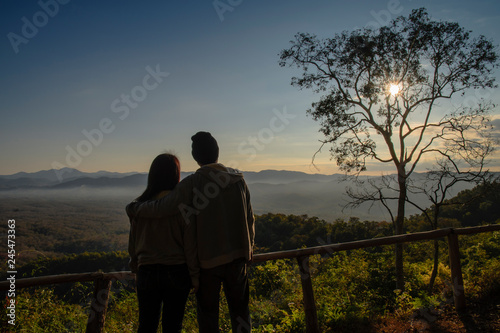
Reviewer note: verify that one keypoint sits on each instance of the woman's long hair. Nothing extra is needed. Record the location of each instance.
(164, 174)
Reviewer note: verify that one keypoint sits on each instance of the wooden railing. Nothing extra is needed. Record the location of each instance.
(102, 281)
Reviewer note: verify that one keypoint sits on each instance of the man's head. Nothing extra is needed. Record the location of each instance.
(204, 148)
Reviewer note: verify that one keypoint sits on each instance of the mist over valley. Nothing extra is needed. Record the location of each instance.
(287, 192)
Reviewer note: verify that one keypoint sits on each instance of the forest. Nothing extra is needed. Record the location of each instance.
(354, 290)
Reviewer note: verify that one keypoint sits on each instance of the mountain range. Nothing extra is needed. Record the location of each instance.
(48, 178)
(72, 178)
(276, 191)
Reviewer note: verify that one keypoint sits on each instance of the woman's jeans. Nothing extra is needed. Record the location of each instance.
(166, 285)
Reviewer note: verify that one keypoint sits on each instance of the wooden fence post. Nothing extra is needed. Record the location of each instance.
(308, 295)
(456, 271)
(99, 305)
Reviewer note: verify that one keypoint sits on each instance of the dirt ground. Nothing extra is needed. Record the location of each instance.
(480, 316)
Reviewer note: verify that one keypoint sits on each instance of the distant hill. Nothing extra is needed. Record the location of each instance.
(274, 191)
(48, 175)
(286, 177)
(135, 180)
(75, 178)
(47, 178)
(23, 182)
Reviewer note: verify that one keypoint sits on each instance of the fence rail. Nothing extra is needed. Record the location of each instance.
(102, 281)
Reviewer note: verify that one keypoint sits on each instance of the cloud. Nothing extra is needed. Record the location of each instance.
(495, 123)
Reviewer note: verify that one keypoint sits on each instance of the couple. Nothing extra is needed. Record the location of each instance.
(198, 233)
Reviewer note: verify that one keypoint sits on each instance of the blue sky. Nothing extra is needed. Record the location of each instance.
(108, 85)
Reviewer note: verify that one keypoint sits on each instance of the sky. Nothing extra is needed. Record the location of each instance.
(108, 85)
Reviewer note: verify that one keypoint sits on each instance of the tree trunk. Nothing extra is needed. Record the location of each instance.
(400, 282)
(436, 263)
(434, 226)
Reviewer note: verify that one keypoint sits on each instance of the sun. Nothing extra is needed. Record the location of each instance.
(394, 89)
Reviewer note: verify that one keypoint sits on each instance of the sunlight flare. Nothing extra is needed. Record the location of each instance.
(394, 89)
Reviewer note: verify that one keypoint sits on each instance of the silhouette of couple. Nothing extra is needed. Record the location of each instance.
(195, 234)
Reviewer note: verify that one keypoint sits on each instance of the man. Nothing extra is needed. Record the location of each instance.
(217, 199)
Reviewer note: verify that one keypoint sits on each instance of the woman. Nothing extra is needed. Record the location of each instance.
(162, 254)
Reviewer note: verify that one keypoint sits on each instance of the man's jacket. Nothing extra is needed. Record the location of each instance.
(217, 199)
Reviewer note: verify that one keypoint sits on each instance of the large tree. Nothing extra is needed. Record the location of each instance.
(380, 94)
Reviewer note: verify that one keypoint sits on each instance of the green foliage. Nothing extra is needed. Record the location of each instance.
(42, 311)
(56, 223)
(342, 286)
(76, 263)
(278, 232)
(482, 265)
(276, 296)
(482, 205)
(122, 314)
(273, 279)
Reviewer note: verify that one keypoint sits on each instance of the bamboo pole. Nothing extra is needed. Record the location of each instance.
(308, 295)
(328, 249)
(477, 230)
(99, 306)
(331, 248)
(456, 272)
(67, 278)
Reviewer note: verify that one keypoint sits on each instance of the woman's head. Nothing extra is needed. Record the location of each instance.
(164, 174)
